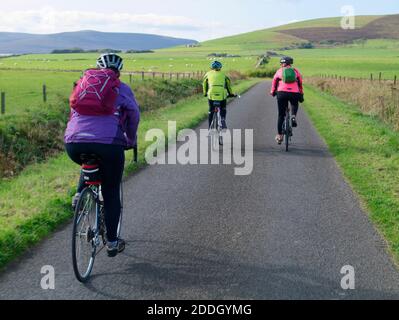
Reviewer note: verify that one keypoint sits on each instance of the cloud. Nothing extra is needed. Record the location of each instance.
(49, 20)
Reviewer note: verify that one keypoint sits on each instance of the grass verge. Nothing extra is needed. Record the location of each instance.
(367, 150)
(38, 200)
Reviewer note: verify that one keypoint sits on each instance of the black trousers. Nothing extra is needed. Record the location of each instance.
(111, 166)
(223, 109)
(283, 98)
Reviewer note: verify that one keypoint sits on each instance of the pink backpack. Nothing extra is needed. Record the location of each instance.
(95, 93)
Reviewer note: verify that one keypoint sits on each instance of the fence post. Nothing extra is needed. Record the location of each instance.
(130, 78)
(3, 103)
(380, 77)
(394, 81)
(44, 93)
(153, 75)
(371, 77)
(142, 75)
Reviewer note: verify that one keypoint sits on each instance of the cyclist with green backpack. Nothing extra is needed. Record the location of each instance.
(288, 87)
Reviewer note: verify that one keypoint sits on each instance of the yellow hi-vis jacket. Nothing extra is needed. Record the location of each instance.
(217, 86)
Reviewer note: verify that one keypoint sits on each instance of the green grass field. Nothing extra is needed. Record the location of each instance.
(24, 87)
(176, 60)
(351, 61)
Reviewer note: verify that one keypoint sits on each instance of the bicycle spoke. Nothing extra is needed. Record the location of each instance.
(84, 234)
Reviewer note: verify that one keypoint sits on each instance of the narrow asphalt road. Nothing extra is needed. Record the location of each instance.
(200, 232)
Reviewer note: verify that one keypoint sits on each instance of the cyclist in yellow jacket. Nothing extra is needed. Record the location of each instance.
(217, 87)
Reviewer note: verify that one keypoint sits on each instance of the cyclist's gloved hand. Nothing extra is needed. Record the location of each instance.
(301, 98)
(273, 94)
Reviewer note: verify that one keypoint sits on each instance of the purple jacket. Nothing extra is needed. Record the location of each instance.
(120, 128)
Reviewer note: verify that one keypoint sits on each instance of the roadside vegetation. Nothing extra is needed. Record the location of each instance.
(37, 133)
(367, 150)
(374, 98)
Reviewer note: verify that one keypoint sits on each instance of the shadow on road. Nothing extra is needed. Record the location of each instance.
(295, 150)
(172, 270)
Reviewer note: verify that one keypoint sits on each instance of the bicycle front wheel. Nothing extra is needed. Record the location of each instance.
(84, 235)
(121, 216)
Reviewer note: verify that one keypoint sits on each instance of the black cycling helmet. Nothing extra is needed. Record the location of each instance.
(287, 60)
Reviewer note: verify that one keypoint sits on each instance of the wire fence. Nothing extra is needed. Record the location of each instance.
(129, 76)
(373, 78)
(374, 96)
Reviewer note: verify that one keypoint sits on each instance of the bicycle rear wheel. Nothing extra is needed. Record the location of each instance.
(84, 235)
(214, 132)
(287, 133)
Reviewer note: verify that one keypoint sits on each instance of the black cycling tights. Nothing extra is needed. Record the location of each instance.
(223, 110)
(111, 167)
(283, 98)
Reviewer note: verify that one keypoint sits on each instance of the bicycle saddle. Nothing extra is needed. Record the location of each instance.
(90, 158)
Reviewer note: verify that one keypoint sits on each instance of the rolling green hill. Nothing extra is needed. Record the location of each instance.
(290, 35)
(316, 31)
(361, 21)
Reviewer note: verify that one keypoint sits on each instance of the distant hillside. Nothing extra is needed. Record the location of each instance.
(386, 27)
(320, 30)
(19, 43)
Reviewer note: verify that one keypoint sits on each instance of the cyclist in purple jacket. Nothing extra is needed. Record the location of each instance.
(107, 136)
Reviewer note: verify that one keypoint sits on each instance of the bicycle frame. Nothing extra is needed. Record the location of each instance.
(99, 223)
(216, 111)
(215, 130)
(287, 127)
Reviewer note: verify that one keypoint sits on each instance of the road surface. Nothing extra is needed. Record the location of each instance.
(200, 232)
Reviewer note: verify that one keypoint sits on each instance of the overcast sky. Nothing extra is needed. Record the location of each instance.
(200, 20)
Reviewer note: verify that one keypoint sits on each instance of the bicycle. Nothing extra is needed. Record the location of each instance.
(215, 130)
(89, 231)
(287, 128)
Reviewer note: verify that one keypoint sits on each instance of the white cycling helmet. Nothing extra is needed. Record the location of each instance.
(110, 61)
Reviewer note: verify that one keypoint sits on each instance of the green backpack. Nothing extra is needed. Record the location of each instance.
(289, 75)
